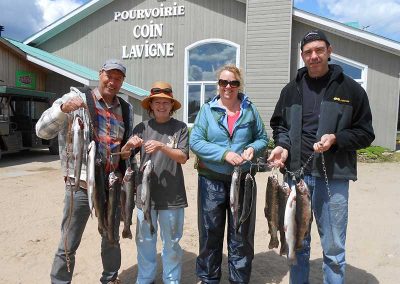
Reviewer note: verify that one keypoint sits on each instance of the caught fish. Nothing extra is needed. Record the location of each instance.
(303, 212)
(114, 189)
(290, 226)
(146, 194)
(234, 195)
(99, 195)
(283, 195)
(271, 210)
(249, 185)
(129, 190)
(77, 148)
(90, 178)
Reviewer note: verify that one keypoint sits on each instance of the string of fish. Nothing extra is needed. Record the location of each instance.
(300, 172)
(76, 122)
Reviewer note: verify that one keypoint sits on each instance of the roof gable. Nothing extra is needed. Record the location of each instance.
(65, 22)
(346, 31)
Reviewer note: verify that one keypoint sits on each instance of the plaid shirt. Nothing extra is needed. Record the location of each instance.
(110, 130)
(54, 122)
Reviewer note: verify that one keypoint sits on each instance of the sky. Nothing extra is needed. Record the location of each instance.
(23, 18)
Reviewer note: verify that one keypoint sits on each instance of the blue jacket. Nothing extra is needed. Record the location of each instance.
(210, 139)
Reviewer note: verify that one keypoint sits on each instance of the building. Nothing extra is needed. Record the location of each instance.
(186, 41)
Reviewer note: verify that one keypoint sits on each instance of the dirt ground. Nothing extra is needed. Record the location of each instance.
(32, 200)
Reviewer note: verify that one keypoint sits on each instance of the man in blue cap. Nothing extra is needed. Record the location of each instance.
(322, 117)
(111, 124)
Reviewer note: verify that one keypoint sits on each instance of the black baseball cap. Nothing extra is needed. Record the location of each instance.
(312, 36)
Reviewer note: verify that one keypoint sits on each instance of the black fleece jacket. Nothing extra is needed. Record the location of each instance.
(345, 112)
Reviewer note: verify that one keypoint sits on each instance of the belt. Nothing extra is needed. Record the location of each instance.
(70, 181)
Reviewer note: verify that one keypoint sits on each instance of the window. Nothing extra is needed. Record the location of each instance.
(202, 61)
(353, 69)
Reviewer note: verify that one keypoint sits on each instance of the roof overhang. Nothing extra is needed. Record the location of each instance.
(346, 31)
(26, 92)
(66, 68)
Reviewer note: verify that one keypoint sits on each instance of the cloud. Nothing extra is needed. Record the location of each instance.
(53, 10)
(22, 18)
(380, 17)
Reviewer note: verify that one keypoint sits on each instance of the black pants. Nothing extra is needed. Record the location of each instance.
(213, 207)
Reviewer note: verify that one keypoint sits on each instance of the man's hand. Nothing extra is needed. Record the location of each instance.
(234, 159)
(326, 142)
(72, 105)
(278, 156)
(132, 143)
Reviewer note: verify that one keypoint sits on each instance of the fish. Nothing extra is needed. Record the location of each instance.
(283, 195)
(129, 191)
(99, 194)
(77, 148)
(249, 185)
(90, 178)
(146, 194)
(114, 189)
(271, 210)
(234, 195)
(303, 212)
(290, 226)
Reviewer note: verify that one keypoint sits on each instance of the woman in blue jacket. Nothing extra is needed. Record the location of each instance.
(228, 132)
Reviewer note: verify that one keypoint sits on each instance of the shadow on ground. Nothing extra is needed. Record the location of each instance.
(268, 267)
(354, 275)
(188, 270)
(25, 157)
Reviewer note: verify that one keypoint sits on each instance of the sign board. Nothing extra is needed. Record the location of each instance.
(25, 79)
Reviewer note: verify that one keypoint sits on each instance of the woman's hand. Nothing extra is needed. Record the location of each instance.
(234, 159)
(132, 143)
(153, 146)
(248, 154)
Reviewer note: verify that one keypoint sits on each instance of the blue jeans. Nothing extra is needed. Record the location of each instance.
(213, 209)
(331, 215)
(110, 254)
(171, 230)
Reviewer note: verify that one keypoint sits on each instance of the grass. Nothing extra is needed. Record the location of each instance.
(376, 154)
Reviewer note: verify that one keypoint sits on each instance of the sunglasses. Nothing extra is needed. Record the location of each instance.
(156, 91)
(224, 83)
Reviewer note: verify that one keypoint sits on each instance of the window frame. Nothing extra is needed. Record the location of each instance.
(202, 84)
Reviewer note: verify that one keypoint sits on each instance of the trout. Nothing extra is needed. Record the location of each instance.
(146, 194)
(99, 195)
(283, 194)
(90, 178)
(249, 184)
(129, 190)
(77, 148)
(290, 226)
(114, 189)
(303, 212)
(234, 196)
(271, 210)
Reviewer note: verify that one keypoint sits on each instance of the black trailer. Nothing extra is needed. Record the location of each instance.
(20, 109)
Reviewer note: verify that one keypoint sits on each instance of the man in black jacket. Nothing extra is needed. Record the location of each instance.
(321, 119)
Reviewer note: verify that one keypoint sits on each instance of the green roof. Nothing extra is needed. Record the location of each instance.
(70, 69)
(26, 92)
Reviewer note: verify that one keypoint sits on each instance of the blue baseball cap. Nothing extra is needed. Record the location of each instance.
(114, 64)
